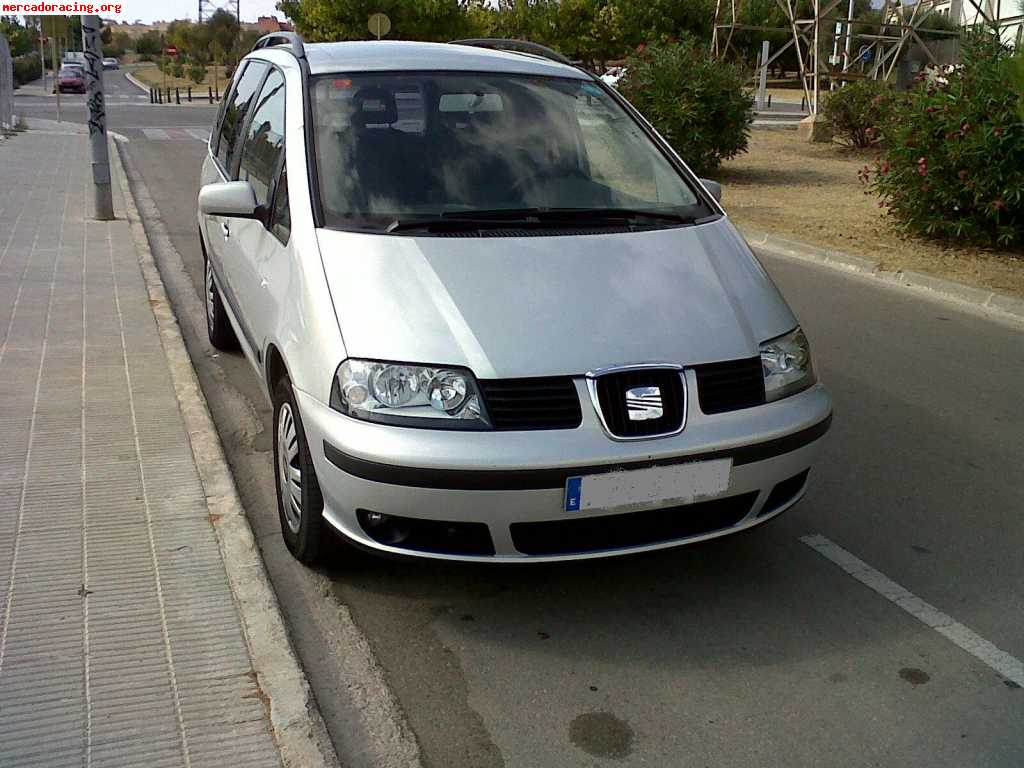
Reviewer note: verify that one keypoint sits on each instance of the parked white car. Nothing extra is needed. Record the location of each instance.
(497, 316)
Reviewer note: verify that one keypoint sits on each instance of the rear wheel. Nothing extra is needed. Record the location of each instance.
(218, 327)
(300, 504)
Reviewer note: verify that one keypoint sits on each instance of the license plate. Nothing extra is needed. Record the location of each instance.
(677, 483)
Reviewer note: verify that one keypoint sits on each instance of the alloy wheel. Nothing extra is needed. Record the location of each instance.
(289, 475)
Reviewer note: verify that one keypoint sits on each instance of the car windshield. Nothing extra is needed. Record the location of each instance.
(394, 149)
(70, 72)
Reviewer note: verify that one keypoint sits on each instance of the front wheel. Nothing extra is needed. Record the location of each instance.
(218, 326)
(300, 504)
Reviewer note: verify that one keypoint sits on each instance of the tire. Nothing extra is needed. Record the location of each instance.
(218, 327)
(300, 504)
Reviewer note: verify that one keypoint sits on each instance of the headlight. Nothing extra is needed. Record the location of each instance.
(787, 365)
(409, 395)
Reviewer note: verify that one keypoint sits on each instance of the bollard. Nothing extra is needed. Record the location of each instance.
(159, 96)
(190, 94)
(177, 96)
(152, 98)
(209, 90)
(168, 94)
(769, 101)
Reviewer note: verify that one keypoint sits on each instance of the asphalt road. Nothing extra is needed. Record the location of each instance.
(750, 651)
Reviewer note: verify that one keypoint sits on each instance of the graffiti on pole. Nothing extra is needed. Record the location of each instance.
(93, 72)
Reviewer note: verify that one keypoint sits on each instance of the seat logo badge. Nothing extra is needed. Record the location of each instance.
(644, 403)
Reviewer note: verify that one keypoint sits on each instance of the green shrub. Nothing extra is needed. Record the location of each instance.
(27, 68)
(178, 69)
(145, 57)
(196, 73)
(859, 111)
(954, 152)
(697, 103)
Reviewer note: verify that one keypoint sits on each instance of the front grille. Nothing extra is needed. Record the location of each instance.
(731, 385)
(633, 529)
(532, 403)
(611, 396)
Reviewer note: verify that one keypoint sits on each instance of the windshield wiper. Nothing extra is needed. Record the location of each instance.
(543, 215)
(448, 223)
(455, 221)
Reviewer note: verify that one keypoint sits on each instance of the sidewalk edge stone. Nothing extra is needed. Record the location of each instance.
(295, 720)
(136, 82)
(967, 294)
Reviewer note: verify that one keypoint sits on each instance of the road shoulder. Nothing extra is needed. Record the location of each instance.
(980, 298)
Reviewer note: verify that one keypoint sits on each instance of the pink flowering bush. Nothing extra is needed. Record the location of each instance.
(953, 158)
(859, 111)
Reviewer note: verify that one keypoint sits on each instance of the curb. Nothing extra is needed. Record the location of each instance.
(295, 719)
(136, 82)
(848, 262)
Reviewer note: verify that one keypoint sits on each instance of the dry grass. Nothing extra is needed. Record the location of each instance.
(810, 192)
(151, 75)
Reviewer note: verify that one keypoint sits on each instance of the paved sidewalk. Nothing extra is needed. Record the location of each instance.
(120, 641)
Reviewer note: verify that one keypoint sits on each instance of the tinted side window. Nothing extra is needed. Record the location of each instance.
(281, 221)
(235, 112)
(264, 139)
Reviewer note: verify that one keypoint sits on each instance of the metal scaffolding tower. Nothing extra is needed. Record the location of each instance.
(871, 48)
(209, 7)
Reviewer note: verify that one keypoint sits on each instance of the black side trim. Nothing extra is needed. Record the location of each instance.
(530, 479)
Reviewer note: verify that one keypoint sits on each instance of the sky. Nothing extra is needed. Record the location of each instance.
(168, 10)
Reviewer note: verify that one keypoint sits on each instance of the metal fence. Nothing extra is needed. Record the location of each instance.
(6, 87)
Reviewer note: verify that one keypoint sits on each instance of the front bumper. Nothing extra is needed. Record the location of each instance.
(511, 480)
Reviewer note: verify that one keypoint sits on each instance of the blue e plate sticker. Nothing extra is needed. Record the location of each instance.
(573, 494)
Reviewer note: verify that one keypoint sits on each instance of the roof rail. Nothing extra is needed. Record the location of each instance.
(291, 39)
(516, 46)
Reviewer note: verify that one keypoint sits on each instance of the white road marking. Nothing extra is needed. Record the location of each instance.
(1010, 667)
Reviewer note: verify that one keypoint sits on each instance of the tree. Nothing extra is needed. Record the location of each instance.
(21, 40)
(437, 20)
(223, 29)
(150, 43)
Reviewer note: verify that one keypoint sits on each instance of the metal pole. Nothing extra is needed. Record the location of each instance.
(103, 204)
(814, 58)
(42, 54)
(56, 78)
(849, 37)
(762, 87)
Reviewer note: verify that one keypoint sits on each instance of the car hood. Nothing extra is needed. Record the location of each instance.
(550, 305)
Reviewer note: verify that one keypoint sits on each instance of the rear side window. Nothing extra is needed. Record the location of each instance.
(235, 112)
(264, 139)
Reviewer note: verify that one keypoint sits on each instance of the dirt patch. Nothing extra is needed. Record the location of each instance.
(810, 192)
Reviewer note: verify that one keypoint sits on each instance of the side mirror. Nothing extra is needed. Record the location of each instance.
(234, 199)
(713, 188)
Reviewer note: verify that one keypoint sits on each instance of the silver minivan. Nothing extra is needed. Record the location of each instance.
(498, 317)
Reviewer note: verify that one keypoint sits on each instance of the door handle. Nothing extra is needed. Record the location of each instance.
(225, 229)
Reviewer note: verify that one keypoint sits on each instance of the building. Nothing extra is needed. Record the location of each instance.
(967, 13)
(267, 24)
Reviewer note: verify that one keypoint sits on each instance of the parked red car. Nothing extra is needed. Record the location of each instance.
(71, 79)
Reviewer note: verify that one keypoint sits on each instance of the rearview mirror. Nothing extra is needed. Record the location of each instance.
(714, 188)
(235, 199)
